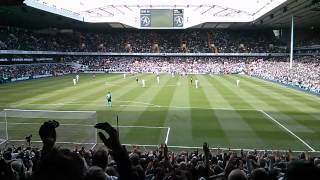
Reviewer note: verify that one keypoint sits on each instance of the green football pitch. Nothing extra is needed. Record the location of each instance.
(258, 114)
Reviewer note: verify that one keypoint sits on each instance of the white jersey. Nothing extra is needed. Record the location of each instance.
(77, 76)
(172, 74)
(74, 82)
(238, 82)
(143, 83)
(158, 80)
(124, 76)
(196, 81)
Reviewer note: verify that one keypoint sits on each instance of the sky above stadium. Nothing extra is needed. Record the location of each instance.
(250, 6)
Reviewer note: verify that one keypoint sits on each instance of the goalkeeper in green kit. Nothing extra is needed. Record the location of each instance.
(109, 99)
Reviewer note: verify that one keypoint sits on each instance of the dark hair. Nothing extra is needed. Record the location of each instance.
(100, 158)
(95, 173)
(60, 164)
(259, 174)
(300, 169)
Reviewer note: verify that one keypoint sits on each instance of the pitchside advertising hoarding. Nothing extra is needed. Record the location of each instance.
(161, 18)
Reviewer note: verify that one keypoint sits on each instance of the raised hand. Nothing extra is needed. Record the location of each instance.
(120, 154)
(206, 154)
(165, 151)
(113, 141)
(206, 149)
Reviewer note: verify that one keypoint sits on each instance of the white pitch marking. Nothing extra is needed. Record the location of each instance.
(146, 127)
(277, 122)
(167, 137)
(147, 105)
(40, 110)
(58, 142)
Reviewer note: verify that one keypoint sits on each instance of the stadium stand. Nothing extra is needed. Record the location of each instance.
(304, 75)
(197, 41)
(10, 73)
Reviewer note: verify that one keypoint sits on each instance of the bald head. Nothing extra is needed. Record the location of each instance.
(237, 174)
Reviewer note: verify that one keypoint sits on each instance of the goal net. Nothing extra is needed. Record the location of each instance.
(76, 127)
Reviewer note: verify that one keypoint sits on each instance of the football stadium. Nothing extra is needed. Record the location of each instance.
(159, 90)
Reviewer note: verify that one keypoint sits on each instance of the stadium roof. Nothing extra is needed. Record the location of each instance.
(40, 14)
(85, 7)
(127, 11)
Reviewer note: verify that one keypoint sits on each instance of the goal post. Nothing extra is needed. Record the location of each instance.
(76, 127)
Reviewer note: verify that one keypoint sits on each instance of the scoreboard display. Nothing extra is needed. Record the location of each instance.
(161, 18)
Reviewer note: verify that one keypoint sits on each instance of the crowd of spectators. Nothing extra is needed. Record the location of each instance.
(304, 74)
(177, 65)
(148, 41)
(115, 162)
(10, 72)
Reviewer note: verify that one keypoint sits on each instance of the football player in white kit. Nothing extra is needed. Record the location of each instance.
(77, 77)
(74, 81)
(196, 81)
(143, 83)
(238, 82)
(158, 79)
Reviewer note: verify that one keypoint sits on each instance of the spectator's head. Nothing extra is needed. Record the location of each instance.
(134, 158)
(100, 158)
(60, 164)
(259, 174)
(95, 173)
(299, 169)
(111, 171)
(7, 155)
(237, 174)
(5, 171)
(317, 162)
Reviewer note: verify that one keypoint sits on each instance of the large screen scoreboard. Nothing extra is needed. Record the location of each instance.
(161, 18)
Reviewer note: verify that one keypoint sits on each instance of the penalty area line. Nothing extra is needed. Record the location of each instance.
(288, 130)
(167, 136)
(41, 110)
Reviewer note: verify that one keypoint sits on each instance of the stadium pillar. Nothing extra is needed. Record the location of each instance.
(291, 44)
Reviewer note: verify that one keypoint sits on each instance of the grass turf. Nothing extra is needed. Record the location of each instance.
(217, 112)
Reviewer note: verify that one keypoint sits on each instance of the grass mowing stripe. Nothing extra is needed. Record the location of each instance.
(216, 100)
(291, 106)
(97, 95)
(244, 119)
(22, 94)
(310, 100)
(311, 135)
(29, 84)
(163, 97)
(180, 120)
(277, 122)
(63, 91)
(264, 101)
(177, 111)
(92, 95)
(205, 127)
(129, 115)
(133, 114)
(83, 91)
(156, 116)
